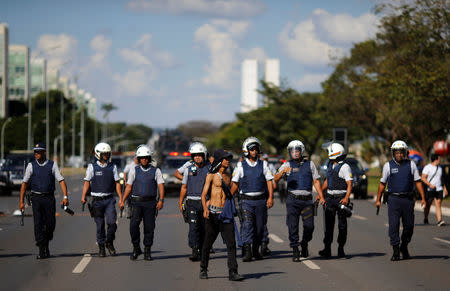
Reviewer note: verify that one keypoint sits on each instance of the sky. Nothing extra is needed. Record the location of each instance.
(165, 62)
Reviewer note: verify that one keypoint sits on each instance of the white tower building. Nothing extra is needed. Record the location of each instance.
(249, 83)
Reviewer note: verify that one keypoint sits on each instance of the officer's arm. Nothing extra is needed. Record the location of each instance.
(178, 175)
(325, 185)
(349, 188)
(23, 188)
(119, 190)
(419, 187)
(381, 188)
(161, 196)
(270, 188)
(318, 189)
(127, 192)
(183, 191)
(234, 187)
(277, 177)
(86, 186)
(63, 186)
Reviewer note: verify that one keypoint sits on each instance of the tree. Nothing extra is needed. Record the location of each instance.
(107, 108)
(397, 85)
(198, 128)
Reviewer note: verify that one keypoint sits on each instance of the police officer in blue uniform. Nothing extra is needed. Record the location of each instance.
(302, 174)
(254, 178)
(103, 180)
(339, 186)
(400, 174)
(191, 189)
(41, 174)
(144, 182)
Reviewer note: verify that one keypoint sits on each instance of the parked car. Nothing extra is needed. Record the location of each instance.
(12, 171)
(360, 181)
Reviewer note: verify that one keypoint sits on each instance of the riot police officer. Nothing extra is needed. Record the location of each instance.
(338, 184)
(41, 174)
(144, 182)
(400, 174)
(191, 189)
(103, 180)
(302, 175)
(254, 178)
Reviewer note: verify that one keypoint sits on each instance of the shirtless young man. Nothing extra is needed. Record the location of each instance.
(218, 213)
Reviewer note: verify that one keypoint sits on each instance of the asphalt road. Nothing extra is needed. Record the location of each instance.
(74, 264)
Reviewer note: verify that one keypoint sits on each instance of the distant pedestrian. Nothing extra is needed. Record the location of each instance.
(436, 190)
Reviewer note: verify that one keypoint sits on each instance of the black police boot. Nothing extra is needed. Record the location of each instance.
(326, 252)
(46, 250)
(195, 257)
(265, 251)
(41, 254)
(203, 273)
(404, 251)
(305, 252)
(101, 250)
(136, 252)
(111, 249)
(234, 276)
(246, 253)
(256, 253)
(148, 254)
(396, 254)
(295, 254)
(341, 253)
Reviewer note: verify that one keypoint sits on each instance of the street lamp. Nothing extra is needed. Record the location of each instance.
(3, 137)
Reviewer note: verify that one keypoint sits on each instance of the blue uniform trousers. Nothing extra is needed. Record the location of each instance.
(105, 209)
(146, 211)
(331, 210)
(296, 208)
(400, 208)
(255, 217)
(196, 223)
(44, 218)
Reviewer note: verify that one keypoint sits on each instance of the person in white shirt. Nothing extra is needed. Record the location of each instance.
(432, 178)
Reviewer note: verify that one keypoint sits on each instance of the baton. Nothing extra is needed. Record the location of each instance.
(378, 210)
(21, 217)
(121, 212)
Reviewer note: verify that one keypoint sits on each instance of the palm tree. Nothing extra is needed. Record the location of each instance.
(107, 108)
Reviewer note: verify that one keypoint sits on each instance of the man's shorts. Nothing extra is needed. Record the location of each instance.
(430, 195)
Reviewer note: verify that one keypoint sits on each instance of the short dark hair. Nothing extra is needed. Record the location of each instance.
(434, 157)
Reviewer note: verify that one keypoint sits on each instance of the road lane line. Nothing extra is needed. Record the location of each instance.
(359, 217)
(310, 264)
(82, 264)
(275, 238)
(442, 240)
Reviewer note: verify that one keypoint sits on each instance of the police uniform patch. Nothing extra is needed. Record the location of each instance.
(394, 170)
(99, 173)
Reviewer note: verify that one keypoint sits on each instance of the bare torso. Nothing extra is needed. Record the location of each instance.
(217, 195)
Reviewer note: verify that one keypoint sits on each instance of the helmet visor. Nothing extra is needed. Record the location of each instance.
(295, 153)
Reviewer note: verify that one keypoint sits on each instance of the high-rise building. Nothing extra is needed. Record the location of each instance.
(19, 73)
(272, 72)
(3, 70)
(73, 91)
(249, 83)
(64, 85)
(38, 75)
(80, 98)
(53, 79)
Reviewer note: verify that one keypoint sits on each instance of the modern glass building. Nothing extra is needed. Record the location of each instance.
(19, 73)
(38, 74)
(249, 85)
(3, 70)
(53, 79)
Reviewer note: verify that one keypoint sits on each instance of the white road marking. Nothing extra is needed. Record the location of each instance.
(310, 264)
(442, 240)
(1, 229)
(82, 264)
(359, 217)
(275, 238)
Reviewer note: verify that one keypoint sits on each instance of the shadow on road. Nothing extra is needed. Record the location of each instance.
(15, 255)
(365, 255)
(429, 257)
(260, 275)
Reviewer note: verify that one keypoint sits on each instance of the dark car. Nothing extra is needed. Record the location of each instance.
(359, 177)
(170, 164)
(12, 171)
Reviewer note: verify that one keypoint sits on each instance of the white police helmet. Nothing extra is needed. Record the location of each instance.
(101, 148)
(250, 142)
(198, 148)
(295, 145)
(144, 151)
(335, 150)
(399, 145)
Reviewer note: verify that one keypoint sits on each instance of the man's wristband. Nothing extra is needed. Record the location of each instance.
(161, 199)
(65, 197)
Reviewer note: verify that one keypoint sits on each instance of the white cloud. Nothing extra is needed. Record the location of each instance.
(254, 53)
(134, 82)
(134, 57)
(59, 50)
(219, 38)
(101, 46)
(209, 8)
(313, 41)
(310, 82)
(345, 28)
